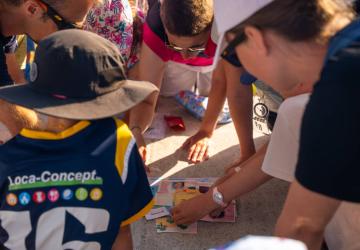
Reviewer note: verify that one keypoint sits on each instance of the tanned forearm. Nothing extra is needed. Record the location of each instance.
(240, 98)
(216, 101)
(151, 69)
(142, 114)
(247, 179)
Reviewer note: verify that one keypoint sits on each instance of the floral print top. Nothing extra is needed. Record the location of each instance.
(113, 20)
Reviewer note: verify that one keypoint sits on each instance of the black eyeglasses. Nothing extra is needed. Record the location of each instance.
(60, 22)
(229, 51)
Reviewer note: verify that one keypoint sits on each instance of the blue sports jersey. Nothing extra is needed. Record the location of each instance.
(71, 190)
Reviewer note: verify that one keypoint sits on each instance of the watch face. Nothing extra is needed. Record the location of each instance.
(218, 197)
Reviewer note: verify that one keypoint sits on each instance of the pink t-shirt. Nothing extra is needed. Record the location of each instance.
(154, 37)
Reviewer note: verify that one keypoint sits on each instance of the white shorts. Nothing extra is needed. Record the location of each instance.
(180, 77)
(282, 153)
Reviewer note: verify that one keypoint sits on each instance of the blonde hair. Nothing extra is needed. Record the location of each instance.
(302, 20)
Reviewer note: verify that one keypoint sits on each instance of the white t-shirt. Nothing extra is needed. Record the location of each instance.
(343, 231)
(281, 155)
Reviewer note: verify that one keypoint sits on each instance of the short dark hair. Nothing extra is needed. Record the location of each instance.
(187, 17)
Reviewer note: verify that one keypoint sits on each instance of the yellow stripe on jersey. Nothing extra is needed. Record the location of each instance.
(124, 141)
(140, 214)
(41, 135)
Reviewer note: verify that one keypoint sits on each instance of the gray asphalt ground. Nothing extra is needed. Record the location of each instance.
(257, 211)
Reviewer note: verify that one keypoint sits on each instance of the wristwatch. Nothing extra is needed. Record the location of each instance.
(218, 198)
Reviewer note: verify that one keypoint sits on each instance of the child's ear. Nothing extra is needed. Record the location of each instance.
(33, 9)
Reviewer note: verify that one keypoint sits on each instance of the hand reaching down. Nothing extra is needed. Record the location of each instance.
(194, 209)
(198, 147)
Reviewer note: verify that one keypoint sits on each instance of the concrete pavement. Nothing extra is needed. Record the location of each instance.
(257, 211)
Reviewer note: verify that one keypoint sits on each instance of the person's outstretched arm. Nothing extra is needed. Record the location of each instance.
(151, 68)
(232, 186)
(198, 144)
(240, 99)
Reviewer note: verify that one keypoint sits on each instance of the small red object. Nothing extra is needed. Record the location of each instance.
(175, 122)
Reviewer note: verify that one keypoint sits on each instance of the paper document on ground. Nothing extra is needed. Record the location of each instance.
(184, 195)
(167, 225)
(157, 213)
(228, 215)
(171, 192)
(158, 128)
(174, 192)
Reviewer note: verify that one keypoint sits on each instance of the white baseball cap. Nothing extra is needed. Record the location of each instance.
(229, 13)
(268, 243)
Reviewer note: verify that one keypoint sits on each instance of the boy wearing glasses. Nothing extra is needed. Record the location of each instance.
(177, 54)
(37, 19)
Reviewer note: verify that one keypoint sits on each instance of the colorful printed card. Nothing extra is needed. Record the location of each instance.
(167, 225)
(227, 215)
(171, 192)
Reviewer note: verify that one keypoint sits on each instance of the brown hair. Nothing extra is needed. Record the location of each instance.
(187, 17)
(301, 20)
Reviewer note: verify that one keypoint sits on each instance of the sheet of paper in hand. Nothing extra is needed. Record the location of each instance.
(181, 193)
(184, 195)
(171, 192)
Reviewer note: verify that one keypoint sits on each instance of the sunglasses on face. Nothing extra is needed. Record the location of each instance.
(193, 50)
(229, 51)
(60, 22)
